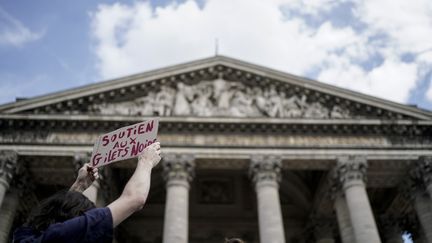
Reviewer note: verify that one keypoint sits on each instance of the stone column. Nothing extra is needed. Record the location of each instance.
(425, 168)
(178, 173)
(8, 161)
(7, 212)
(423, 207)
(351, 171)
(265, 172)
(343, 218)
(419, 190)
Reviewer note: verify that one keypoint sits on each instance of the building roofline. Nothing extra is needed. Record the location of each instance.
(205, 63)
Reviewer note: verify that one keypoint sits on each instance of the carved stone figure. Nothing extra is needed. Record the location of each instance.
(240, 104)
(222, 94)
(338, 112)
(221, 98)
(260, 100)
(183, 96)
(145, 105)
(316, 110)
(291, 107)
(164, 101)
(275, 103)
(201, 105)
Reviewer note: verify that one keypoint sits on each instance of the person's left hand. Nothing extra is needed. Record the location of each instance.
(86, 176)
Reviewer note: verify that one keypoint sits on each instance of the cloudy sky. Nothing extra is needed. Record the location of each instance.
(378, 47)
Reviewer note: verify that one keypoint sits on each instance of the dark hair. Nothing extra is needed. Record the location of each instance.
(234, 240)
(58, 208)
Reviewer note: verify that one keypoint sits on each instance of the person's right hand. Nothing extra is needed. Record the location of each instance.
(151, 154)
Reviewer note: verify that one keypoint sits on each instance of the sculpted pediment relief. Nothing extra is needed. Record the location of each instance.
(216, 87)
(223, 99)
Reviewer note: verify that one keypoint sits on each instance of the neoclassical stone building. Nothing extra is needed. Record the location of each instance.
(249, 152)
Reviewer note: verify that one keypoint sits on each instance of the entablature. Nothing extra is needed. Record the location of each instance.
(105, 123)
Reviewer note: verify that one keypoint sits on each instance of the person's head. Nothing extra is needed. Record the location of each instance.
(58, 208)
(234, 240)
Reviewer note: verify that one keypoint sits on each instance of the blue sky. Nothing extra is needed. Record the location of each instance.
(379, 47)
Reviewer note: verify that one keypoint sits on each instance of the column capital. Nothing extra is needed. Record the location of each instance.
(410, 188)
(351, 169)
(265, 168)
(178, 168)
(422, 170)
(8, 164)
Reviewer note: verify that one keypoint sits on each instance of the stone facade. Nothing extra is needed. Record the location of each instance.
(249, 152)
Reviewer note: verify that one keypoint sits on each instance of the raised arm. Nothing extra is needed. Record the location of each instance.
(86, 176)
(135, 193)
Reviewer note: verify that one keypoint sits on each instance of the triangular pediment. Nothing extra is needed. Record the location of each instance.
(216, 87)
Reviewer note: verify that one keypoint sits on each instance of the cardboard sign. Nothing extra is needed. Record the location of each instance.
(124, 143)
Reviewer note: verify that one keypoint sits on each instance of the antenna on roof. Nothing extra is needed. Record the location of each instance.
(216, 46)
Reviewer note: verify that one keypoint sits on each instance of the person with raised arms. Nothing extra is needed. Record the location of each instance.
(69, 216)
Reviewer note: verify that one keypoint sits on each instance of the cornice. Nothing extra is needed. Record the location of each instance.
(302, 155)
(410, 128)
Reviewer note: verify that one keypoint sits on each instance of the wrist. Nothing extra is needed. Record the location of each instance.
(146, 164)
(78, 187)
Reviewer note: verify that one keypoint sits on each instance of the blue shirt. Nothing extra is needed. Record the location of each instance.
(96, 225)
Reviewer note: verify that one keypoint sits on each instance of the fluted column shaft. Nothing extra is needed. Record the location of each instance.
(8, 161)
(343, 217)
(420, 191)
(352, 175)
(7, 212)
(178, 173)
(265, 173)
(423, 207)
(424, 168)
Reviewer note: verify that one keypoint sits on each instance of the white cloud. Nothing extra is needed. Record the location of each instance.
(135, 38)
(250, 30)
(312, 7)
(13, 32)
(407, 23)
(391, 80)
(429, 92)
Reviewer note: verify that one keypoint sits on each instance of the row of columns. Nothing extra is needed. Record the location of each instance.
(265, 173)
(353, 211)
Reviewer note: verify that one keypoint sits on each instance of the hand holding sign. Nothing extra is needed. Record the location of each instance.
(124, 143)
(151, 155)
(86, 176)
